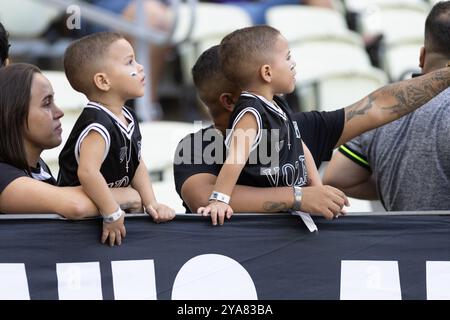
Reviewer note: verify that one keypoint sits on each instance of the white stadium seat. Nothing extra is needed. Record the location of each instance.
(343, 89)
(300, 23)
(402, 60)
(26, 18)
(212, 21)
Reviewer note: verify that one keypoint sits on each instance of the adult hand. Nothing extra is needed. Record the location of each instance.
(323, 200)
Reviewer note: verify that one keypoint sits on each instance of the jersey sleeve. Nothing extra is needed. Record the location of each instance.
(254, 109)
(354, 151)
(98, 128)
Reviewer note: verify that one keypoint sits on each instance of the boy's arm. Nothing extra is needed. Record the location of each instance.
(143, 185)
(311, 169)
(242, 140)
(392, 102)
(91, 157)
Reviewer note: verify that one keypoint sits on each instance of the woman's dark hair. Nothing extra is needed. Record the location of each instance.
(4, 45)
(15, 96)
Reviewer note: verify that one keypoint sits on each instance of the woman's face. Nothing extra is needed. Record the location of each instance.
(44, 127)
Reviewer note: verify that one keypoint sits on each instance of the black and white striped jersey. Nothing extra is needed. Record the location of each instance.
(277, 157)
(122, 152)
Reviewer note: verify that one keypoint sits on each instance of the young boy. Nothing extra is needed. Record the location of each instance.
(258, 60)
(103, 149)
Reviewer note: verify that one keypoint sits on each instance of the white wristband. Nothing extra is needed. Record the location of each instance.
(219, 196)
(113, 217)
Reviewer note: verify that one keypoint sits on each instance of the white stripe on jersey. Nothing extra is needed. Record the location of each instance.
(42, 175)
(238, 117)
(271, 106)
(100, 129)
(128, 131)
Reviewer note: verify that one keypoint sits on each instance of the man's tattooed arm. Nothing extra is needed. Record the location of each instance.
(400, 98)
(392, 102)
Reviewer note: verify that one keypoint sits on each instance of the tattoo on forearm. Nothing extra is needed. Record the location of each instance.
(410, 95)
(360, 108)
(403, 97)
(270, 206)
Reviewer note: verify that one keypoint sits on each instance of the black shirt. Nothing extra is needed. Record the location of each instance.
(197, 152)
(9, 173)
(123, 146)
(277, 157)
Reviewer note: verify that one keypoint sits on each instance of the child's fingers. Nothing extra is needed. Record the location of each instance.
(123, 231)
(153, 213)
(229, 212)
(221, 216)
(105, 234)
(118, 237)
(214, 216)
(112, 239)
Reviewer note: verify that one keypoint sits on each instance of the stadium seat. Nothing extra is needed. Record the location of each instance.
(343, 89)
(398, 21)
(212, 21)
(159, 142)
(302, 23)
(318, 58)
(26, 18)
(402, 60)
(165, 192)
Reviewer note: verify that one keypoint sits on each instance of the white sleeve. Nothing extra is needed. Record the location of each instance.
(100, 129)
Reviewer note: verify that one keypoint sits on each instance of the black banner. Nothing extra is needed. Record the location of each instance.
(260, 257)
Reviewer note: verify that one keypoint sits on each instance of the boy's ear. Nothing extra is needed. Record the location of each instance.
(227, 101)
(101, 81)
(266, 73)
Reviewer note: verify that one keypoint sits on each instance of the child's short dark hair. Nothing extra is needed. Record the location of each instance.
(4, 45)
(209, 78)
(83, 58)
(244, 51)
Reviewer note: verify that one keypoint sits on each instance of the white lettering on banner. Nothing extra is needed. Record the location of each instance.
(13, 282)
(79, 281)
(438, 280)
(134, 280)
(203, 275)
(370, 280)
(213, 277)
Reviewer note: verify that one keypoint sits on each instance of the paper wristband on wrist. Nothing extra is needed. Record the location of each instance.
(113, 217)
(219, 196)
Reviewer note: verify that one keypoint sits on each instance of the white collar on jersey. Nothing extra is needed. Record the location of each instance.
(271, 105)
(128, 131)
(39, 173)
